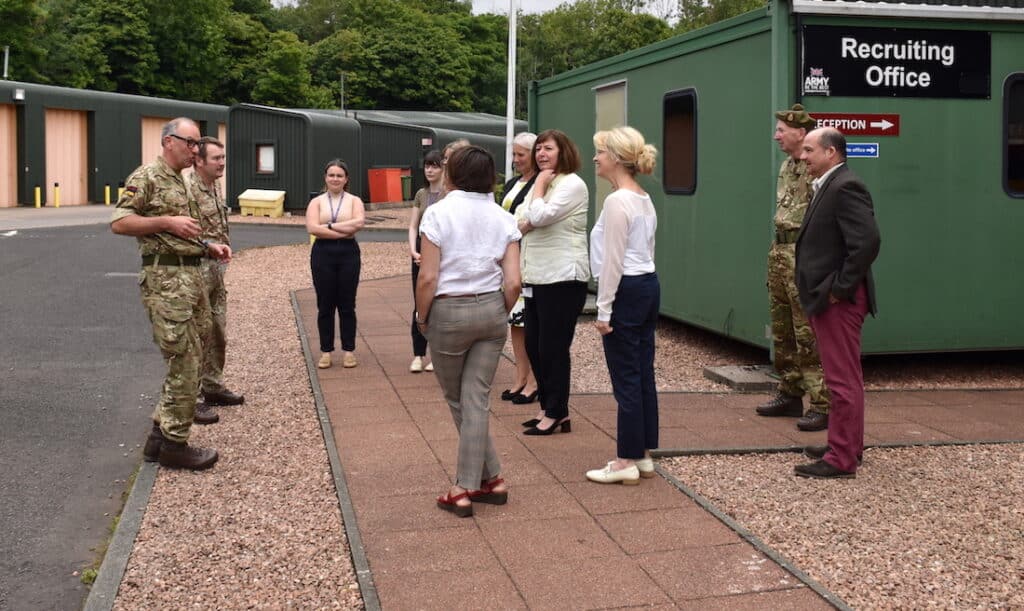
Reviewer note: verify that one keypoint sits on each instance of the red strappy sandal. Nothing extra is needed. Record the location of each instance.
(487, 494)
(450, 503)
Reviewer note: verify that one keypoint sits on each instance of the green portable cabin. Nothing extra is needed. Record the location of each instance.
(86, 141)
(285, 150)
(473, 122)
(931, 98)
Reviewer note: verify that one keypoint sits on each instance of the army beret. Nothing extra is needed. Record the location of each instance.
(796, 117)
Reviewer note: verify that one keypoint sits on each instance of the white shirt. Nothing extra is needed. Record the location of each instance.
(472, 234)
(556, 249)
(817, 182)
(621, 244)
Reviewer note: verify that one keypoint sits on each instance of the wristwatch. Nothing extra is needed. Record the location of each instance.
(328, 225)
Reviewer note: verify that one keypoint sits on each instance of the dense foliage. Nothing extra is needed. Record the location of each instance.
(394, 54)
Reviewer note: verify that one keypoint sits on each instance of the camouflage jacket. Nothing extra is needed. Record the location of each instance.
(155, 189)
(793, 194)
(213, 214)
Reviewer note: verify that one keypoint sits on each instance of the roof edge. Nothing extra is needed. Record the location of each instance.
(928, 11)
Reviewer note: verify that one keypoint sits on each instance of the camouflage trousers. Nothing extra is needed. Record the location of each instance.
(793, 341)
(174, 299)
(213, 329)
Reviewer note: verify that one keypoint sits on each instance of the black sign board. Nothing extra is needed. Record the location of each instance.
(895, 62)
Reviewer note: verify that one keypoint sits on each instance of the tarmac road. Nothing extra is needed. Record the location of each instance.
(80, 377)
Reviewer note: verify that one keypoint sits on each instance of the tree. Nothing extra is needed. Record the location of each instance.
(283, 78)
(695, 14)
(190, 44)
(20, 24)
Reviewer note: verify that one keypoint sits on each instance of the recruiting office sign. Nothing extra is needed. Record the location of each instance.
(895, 62)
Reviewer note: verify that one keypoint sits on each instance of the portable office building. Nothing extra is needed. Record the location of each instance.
(474, 122)
(285, 149)
(931, 98)
(83, 140)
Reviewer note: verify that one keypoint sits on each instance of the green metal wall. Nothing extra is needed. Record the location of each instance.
(947, 273)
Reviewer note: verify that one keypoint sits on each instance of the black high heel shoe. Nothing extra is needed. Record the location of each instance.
(521, 399)
(564, 425)
(509, 395)
(531, 422)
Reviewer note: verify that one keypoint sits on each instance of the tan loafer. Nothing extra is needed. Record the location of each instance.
(349, 360)
(646, 467)
(325, 360)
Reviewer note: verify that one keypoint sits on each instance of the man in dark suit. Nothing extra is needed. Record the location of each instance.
(835, 248)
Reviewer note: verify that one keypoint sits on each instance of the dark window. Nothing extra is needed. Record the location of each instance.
(1013, 154)
(679, 143)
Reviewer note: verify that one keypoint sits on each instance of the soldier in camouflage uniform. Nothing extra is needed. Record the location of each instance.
(156, 209)
(796, 351)
(205, 190)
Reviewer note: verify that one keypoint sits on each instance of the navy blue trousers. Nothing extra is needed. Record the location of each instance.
(629, 352)
(335, 265)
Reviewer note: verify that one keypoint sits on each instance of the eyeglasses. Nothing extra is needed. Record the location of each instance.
(189, 142)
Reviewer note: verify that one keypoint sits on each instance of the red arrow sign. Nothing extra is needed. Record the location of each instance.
(855, 124)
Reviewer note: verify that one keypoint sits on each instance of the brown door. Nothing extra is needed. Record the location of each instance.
(67, 161)
(8, 156)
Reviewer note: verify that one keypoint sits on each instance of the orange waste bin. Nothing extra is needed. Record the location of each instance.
(385, 185)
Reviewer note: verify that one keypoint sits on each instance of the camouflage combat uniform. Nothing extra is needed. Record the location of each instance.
(214, 220)
(172, 292)
(796, 351)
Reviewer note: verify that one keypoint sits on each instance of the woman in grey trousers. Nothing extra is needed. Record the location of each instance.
(468, 282)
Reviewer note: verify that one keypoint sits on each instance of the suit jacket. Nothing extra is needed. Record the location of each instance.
(518, 199)
(837, 243)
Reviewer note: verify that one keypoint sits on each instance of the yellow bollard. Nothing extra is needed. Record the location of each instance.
(120, 192)
(56, 194)
(39, 196)
(106, 195)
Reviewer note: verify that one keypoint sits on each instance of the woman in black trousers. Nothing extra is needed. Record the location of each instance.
(334, 218)
(555, 266)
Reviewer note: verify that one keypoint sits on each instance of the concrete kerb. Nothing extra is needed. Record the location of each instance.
(355, 542)
(108, 580)
(759, 545)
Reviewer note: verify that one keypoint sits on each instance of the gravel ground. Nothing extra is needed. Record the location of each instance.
(263, 528)
(936, 527)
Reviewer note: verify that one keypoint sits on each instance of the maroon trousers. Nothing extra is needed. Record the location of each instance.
(837, 330)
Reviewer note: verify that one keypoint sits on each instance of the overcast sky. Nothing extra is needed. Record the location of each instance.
(527, 6)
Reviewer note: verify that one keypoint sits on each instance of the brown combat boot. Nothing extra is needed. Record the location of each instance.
(180, 455)
(151, 451)
(204, 414)
(782, 405)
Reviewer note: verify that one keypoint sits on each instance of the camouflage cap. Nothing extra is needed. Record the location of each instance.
(796, 117)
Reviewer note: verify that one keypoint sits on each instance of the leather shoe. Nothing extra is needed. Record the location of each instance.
(822, 470)
(813, 421)
(204, 414)
(223, 397)
(180, 455)
(782, 405)
(819, 452)
(630, 476)
(521, 399)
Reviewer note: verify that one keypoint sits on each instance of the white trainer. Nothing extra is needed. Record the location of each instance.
(630, 476)
(646, 467)
(429, 367)
(417, 365)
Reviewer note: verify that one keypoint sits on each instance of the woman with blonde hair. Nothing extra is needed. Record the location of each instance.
(525, 388)
(628, 299)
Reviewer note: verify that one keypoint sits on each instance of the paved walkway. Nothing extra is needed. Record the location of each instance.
(562, 542)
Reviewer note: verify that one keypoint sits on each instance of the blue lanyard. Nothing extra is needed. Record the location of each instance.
(334, 213)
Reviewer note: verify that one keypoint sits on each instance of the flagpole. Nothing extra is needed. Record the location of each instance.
(510, 98)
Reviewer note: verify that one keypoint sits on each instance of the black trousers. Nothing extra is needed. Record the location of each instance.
(335, 265)
(550, 327)
(419, 343)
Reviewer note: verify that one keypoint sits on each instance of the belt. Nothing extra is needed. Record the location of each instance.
(451, 296)
(172, 260)
(786, 236)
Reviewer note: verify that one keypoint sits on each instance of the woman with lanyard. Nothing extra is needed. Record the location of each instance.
(334, 218)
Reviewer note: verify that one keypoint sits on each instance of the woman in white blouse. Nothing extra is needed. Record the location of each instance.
(553, 220)
(628, 299)
(469, 280)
